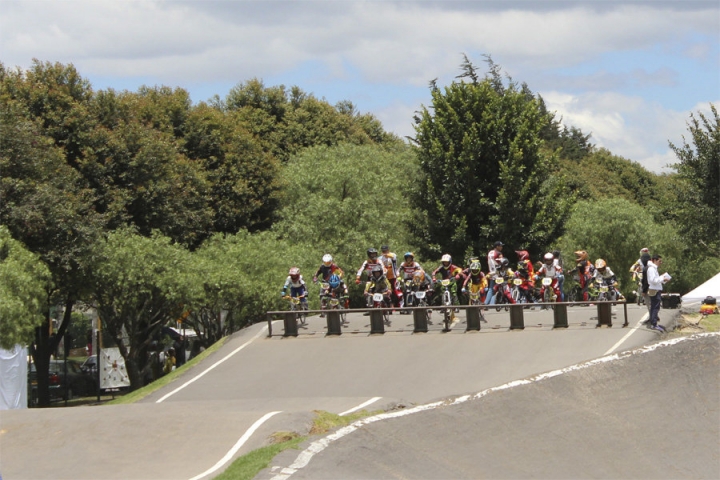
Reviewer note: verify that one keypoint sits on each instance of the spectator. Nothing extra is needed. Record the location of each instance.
(170, 361)
(493, 259)
(644, 259)
(655, 286)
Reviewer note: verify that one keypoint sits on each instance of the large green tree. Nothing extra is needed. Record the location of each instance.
(24, 280)
(699, 187)
(486, 176)
(615, 229)
(45, 204)
(137, 288)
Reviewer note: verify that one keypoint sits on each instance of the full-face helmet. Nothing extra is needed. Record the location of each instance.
(600, 264)
(581, 255)
(294, 273)
(419, 277)
(446, 260)
(372, 253)
(334, 281)
(522, 255)
(377, 271)
(475, 268)
(327, 259)
(409, 257)
(548, 258)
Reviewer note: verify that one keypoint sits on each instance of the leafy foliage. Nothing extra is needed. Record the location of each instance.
(485, 176)
(24, 281)
(615, 229)
(699, 172)
(137, 289)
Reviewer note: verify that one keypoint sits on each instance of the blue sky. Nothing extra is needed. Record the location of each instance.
(628, 72)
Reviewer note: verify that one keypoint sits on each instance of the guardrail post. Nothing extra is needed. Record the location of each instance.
(377, 325)
(333, 322)
(473, 318)
(560, 316)
(604, 314)
(291, 329)
(420, 319)
(626, 320)
(269, 320)
(517, 322)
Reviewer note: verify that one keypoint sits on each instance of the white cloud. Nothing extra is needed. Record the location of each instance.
(631, 127)
(556, 47)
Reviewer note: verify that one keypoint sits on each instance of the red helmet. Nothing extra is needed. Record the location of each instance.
(522, 255)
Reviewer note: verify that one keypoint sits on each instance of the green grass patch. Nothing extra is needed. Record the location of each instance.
(250, 464)
(143, 392)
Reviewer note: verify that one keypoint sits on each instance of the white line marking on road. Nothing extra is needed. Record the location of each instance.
(627, 335)
(262, 330)
(236, 447)
(362, 405)
(303, 459)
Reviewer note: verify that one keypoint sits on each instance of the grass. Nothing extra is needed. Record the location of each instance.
(250, 464)
(709, 323)
(143, 392)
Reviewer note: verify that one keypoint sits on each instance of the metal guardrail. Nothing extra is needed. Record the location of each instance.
(473, 313)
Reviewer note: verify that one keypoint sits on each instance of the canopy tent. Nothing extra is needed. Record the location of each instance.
(711, 288)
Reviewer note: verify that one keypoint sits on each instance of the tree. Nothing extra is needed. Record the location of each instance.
(24, 281)
(242, 177)
(699, 171)
(137, 288)
(615, 229)
(45, 205)
(485, 176)
(342, 200)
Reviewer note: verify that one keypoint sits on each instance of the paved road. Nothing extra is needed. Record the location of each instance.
(206, 412)
(653, 414)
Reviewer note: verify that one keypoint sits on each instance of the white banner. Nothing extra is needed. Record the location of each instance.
(13, 378)
(113, 373)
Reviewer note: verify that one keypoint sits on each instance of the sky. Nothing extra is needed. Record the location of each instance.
(629, 73)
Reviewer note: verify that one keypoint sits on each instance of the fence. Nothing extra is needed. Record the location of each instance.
(421, 317)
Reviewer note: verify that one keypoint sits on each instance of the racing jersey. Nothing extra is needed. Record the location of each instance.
(407, 271)
(297, 284)
(446, 272)
(367, 266)
(325, 271)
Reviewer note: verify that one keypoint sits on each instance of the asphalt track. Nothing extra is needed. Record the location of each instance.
(651, 413)
(255, 385)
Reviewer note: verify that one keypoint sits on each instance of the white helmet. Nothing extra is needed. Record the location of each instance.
(548, 257)
(446, 258)
(327, 259)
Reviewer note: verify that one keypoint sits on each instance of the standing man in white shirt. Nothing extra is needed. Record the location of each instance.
(655, 286)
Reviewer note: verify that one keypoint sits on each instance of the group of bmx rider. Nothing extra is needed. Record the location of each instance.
(385, 276)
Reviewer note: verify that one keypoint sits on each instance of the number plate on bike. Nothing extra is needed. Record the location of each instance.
(499, 280)
(517, 281)
(419, 294)
(445, 283)
(603, 289)
(378, 297)
(547, 281)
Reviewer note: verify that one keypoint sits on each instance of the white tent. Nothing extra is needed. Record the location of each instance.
(711, 288)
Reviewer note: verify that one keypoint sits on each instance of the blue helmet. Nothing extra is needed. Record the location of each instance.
(334, 281)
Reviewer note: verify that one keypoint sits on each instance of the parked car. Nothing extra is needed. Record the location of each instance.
(90, 365)
(63, 386)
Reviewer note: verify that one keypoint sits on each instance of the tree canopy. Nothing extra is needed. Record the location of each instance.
(485, 175)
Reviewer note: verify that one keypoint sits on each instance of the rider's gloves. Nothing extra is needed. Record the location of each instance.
(464, 290)
(282, 293)
(357, 281)
(314, 279)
